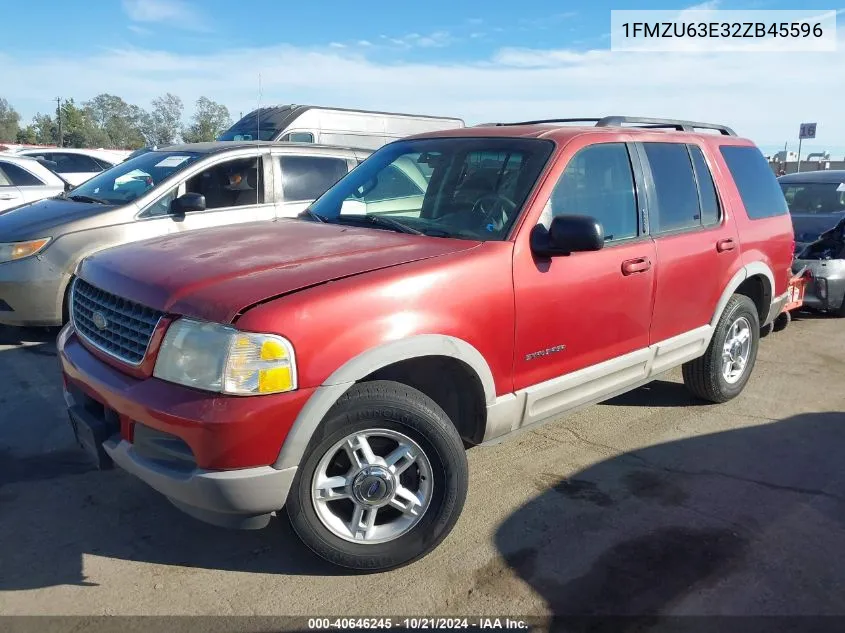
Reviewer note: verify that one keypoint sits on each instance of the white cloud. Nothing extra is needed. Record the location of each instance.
(762, 96)
(337, 45)
(175, 13)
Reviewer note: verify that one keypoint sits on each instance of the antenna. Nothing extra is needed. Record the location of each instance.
(258, 120)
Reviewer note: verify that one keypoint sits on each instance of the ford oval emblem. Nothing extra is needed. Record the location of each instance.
(373, 489)
(99, 320)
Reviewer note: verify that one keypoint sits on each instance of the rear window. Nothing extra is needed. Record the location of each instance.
(757, 185)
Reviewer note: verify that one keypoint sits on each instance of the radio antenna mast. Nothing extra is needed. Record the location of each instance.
(258, 123)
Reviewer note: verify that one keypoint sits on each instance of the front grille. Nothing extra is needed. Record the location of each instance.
(117, 326)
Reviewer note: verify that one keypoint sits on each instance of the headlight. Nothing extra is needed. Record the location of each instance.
(221, 358)
(11, 251)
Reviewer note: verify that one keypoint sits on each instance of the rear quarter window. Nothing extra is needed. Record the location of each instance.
(759, 189)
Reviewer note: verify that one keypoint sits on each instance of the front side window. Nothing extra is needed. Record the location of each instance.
(233, 183)
(306, 178)
(598, 181)
(471, 188)
(761, 195)
(131, 179)
(17, 176)
(677, 204)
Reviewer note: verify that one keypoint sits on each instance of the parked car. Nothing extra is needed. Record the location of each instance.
(168, 191)
(336, 364)
(24, 179)
(816, 202)
(825, 261)
(76, 165)
(334, 126)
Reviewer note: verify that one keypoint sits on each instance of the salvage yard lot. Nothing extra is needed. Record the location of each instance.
(652, 502)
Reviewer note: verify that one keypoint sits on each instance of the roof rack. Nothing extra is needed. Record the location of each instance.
(618, 121)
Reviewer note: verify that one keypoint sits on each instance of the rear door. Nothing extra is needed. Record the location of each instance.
(10, 195)
(697, 244)
(305, 177)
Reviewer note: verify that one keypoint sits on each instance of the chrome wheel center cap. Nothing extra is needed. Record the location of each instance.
(373, 486)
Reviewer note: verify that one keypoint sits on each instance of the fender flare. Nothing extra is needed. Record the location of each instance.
(748, 270)
(325, 396)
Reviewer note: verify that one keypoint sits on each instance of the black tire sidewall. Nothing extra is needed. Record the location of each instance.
(445, 452)
(739, 306)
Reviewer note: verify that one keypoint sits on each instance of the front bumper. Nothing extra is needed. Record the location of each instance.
(210, 455)
(31, 293)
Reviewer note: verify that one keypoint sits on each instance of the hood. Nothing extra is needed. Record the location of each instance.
(215, 274)
(31, 221)
(808, 227)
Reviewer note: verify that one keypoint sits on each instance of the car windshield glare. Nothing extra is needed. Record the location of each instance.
(470, 188)
(129, 180)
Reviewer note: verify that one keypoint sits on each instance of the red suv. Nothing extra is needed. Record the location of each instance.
(453, 288)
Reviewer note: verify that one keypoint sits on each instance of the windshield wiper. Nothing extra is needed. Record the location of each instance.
(82, 198)
(313, 215)
(390, 223)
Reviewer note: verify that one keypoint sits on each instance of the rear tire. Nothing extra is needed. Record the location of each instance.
(841, 311)
(352, 507)
(723, 371)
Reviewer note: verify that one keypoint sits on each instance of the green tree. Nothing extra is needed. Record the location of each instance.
(9, 122)
(162, 124)
(27, 135)
(79, 130)
(121, 122)
(46, 130)
(209, 120)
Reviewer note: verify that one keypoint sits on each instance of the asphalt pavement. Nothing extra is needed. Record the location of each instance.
(652, 503)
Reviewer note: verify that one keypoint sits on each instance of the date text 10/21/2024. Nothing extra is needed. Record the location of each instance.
(421, 623)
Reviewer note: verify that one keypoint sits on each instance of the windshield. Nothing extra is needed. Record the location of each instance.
(471, 188)
(253, 127)
(814, 197)
(129, 180)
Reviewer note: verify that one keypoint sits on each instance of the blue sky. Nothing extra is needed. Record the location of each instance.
(481, 61)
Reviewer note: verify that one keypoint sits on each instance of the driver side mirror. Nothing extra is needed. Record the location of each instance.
(186, 203)
(567, 234)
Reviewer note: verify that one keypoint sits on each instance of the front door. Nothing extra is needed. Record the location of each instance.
(236, 191)
(587, 312)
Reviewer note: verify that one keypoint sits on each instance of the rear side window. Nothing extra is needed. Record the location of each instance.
(761, 195)
(706, 187)
(598, 182)
(674, 182)
(75, 163)
(18, 176)
(306, 178)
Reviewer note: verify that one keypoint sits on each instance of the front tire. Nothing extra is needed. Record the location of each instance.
(723, 371)
(383, 480)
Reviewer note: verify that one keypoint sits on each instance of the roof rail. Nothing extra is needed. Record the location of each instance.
(619, 121)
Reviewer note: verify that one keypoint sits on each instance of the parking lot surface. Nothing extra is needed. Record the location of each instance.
(650, 503)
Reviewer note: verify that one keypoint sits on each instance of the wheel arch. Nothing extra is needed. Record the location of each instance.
(372, 364)
(743, 282)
